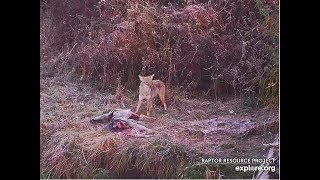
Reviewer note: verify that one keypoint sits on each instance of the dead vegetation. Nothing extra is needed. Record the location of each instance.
(218, 58)
(214, 47)
(73, 147)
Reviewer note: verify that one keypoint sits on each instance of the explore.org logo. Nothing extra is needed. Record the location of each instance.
(244, 164)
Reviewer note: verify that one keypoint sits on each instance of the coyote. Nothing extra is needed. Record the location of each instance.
(148, 89)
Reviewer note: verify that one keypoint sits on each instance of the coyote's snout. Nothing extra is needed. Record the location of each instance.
(148, 89)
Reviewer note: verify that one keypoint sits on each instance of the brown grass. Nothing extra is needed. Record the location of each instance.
(215, 47)
(74, 152)
(71, 147)
(216, 57)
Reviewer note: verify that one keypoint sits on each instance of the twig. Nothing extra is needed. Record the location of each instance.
(71, 50)
(84, 156)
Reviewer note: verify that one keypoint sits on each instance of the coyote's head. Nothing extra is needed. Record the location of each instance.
(146, 79)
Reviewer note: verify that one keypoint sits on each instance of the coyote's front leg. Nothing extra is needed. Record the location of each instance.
(149, 106)
(139, 105)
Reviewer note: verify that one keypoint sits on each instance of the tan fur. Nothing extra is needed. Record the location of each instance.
(149, 89)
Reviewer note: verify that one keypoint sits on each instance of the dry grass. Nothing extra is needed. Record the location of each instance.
(217, 47)
(71, 147)
(217, 58)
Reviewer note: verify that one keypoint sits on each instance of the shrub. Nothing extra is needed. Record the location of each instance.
(218, 47)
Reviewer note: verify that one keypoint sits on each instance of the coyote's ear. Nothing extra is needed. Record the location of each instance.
(140, 77)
